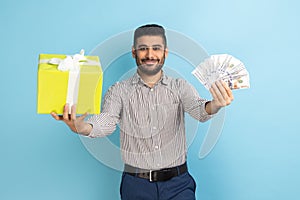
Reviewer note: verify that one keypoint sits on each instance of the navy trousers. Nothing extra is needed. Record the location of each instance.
(181, 187)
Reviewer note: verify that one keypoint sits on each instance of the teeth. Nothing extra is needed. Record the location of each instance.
(150, 61)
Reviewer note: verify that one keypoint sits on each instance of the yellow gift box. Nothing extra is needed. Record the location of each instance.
(54, 85)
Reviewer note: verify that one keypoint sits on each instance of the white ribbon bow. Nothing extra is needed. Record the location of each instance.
(70, 63)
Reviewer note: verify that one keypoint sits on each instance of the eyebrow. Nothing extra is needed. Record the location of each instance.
(155, 45)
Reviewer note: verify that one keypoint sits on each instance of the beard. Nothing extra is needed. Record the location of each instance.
(150, 69)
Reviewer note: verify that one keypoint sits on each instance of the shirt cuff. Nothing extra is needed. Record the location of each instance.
(95, 131)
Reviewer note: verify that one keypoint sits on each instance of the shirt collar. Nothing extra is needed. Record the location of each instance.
(136, 79)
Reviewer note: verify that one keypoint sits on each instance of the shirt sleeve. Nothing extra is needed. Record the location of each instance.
(193, 104)
(105, 123)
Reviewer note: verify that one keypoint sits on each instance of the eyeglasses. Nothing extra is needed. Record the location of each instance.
(156, 48)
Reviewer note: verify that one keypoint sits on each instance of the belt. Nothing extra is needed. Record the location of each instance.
(156, 175)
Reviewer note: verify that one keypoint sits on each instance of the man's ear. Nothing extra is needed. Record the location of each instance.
(133, 52)
(166, 52)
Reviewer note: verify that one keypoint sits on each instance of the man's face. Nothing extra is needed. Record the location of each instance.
(149, 53)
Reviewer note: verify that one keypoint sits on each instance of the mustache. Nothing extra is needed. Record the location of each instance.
(148, 59)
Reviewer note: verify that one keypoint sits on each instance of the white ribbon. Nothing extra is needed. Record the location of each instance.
(73, 88)
(71, 64)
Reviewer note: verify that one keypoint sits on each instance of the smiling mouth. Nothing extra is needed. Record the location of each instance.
(150, 61)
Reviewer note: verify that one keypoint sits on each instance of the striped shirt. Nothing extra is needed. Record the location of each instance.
(151, 120)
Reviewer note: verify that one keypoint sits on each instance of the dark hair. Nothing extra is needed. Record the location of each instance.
(152, 30)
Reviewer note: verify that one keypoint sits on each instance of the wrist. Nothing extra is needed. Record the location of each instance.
(211, 107)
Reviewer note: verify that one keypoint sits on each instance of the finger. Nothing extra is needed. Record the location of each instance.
(225, 84)
(229, 95)
(218, 95)
(66, 112)
(213, 93)
(222, 89)
(228, 90)
(73, 112)
(225, 91)
(55, 116)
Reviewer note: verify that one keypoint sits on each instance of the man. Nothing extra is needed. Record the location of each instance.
(149, 108)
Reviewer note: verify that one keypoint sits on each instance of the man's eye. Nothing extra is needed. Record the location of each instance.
(156, 48)
(142, 49)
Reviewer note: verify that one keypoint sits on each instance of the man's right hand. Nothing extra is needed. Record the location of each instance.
(76, 124)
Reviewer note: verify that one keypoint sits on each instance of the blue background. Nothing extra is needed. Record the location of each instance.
(257, 156)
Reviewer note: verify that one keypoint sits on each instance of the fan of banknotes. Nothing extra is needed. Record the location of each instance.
(222, 67)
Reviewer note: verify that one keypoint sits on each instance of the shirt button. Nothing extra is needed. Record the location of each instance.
(151, 89)
(154, 128)
(156, 147)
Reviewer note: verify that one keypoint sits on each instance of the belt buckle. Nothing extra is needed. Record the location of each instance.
(150, 176)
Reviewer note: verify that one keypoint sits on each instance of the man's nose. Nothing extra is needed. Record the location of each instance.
(150, 53)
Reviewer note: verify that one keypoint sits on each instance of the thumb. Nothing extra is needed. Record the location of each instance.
(82, 117)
